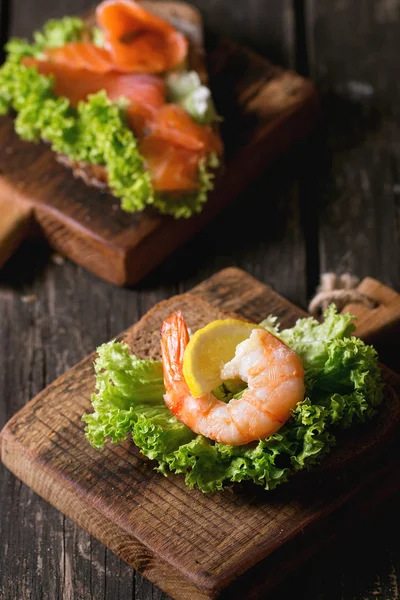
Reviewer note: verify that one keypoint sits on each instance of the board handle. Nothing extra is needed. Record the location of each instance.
(15, 222)
(379, 326)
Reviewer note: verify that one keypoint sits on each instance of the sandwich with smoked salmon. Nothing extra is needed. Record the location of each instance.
(122, 99)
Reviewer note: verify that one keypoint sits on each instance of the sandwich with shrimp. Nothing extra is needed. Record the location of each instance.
(123, 100)
(220, 400)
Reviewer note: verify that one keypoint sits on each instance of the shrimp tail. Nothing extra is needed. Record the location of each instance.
(174, 339)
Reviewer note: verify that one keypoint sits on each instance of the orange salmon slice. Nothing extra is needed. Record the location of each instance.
(145, 93)
(137, 40)
(172, 168)
(172, 123)
(81, 55)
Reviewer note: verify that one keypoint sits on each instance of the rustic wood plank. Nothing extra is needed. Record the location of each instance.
(271, 248)
(380, 326)
(214, 565)
(354, 59)
(372, 550)
(268, 32)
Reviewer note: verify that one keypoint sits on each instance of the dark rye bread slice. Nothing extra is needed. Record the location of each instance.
(144, 337)
(186, 19)
(358, 445)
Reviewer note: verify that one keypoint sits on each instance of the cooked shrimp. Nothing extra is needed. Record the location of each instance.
(274, 374)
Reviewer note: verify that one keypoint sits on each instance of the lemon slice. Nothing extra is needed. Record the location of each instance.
(209, 349)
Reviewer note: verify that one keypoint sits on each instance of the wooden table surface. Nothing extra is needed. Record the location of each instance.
(332, 204)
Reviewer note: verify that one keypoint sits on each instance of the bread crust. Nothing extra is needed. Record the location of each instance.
(144, 338)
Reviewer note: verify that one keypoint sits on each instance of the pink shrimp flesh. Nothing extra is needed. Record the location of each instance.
(274, 374)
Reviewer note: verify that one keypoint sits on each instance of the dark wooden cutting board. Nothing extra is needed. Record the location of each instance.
(194, 546)
(265, 110)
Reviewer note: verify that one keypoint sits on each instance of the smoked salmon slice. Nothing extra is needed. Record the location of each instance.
(172, 123)
(146, 93)
(172, 168)
(81, 55)
(137, 40)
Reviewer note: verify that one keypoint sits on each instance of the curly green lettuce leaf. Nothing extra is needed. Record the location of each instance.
(343, 389)
(122, 376)
(309, 337)
(58, 32)
(334, 360)
(55, 33)
(17, 48)
(130, 395)
(230, 388)
(106, 139)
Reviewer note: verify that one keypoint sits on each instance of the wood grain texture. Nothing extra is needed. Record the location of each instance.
(380, 326)
(353, 58)
(350, 207)
(61, 313)
(151, 527)
(44, 556)
(265, 110)
(15, 223)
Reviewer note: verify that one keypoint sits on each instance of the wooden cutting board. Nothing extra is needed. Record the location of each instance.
(265, 110)
(232, 544)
